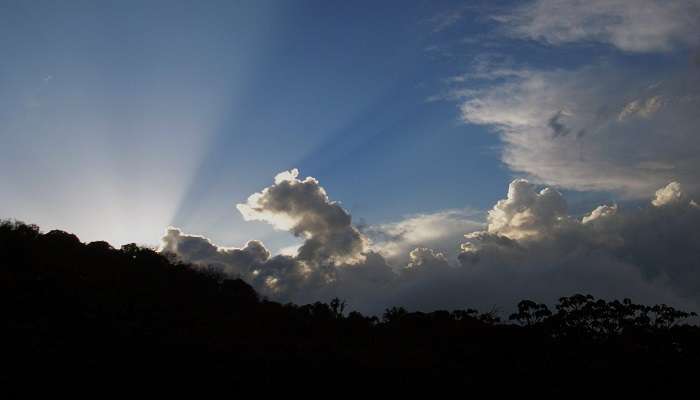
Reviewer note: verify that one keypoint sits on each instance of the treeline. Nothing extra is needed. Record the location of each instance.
(89, 311)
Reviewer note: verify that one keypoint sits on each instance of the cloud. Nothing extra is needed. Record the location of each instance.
(303, 207)
(275, 277)
(530, 247)
(423, 257)
(442, 231)
(644, 26)
(333, 259)
(644, 108)
(650, 252)
(670, 194)
(445, 20)
(200, 250)
(599, 127)
(647, 254)
(526, 212)
(600, 212)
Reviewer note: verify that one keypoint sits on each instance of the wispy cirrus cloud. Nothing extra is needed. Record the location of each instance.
(640, 26)
(445, 20)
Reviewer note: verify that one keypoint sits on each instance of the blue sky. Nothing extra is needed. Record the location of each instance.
(199, 104)
(120, 118)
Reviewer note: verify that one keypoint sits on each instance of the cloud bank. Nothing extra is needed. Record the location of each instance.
(529, 247)
(600, 127)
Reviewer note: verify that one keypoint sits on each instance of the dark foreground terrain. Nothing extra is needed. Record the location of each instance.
(76, 313)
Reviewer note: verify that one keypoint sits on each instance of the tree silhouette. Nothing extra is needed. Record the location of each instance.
(530, 313)
(71, 309)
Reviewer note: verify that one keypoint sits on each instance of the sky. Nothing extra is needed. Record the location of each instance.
(327, 148)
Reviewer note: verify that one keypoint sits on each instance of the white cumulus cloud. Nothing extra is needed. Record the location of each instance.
(303, 207)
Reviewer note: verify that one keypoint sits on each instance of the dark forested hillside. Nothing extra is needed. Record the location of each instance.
(74, 310)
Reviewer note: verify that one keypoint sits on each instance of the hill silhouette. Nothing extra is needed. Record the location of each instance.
(91, 312)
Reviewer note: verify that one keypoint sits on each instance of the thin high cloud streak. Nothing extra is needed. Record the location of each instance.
(641, 26)
(530, 247)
